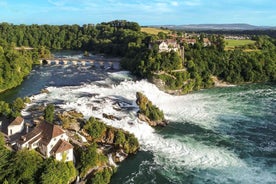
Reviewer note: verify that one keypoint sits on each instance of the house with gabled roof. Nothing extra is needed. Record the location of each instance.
(190, 41)
(166, 45)
(16, 126)
(63, 150)
(49, 140)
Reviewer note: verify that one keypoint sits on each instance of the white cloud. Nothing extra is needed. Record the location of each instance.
(174, 3)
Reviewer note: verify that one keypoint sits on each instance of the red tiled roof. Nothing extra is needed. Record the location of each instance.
(171, 41)
(168, 41)
(47, 131)
(189, 40)
(17, 121)
(61, 146)
(27, 137)
(35, 139)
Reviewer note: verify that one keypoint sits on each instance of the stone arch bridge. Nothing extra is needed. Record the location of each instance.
(99, 63)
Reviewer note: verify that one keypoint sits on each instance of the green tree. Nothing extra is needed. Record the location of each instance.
(17, 105)
(131, 145)
(148, 109)
(95, 128)
(24, 167)
(2, 142)
(56, 172)
(14, 65)
(102, 177)
(49, 113)
(162, 35)
(5, 108)
(4, 159)
(120, 138)
(90, 158)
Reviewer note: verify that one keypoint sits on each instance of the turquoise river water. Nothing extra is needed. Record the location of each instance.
(219, 135)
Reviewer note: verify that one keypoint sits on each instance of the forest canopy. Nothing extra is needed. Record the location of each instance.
(125, 39)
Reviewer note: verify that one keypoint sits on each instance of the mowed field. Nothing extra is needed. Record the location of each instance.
(154, 31)
(231, 44)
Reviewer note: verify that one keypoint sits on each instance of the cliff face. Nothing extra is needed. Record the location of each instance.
(149, 112)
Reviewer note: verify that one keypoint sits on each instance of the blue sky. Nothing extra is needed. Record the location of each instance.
(145, 12)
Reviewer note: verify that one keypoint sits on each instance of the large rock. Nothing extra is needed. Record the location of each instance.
(149, 112)
(71, 120)
(110, 116)
(109, 139)
(142, 117)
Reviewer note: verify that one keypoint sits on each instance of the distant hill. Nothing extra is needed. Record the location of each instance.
(153, 30)
(217, 27)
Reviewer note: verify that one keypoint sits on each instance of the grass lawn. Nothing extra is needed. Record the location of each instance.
(251, 50)
(231, 44)
(151, 30)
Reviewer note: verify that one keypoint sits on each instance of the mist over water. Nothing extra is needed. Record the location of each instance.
(221, 135)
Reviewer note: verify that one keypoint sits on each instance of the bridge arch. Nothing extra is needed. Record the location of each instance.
(97, 63)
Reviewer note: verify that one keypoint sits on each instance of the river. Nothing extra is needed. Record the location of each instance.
(219, 135)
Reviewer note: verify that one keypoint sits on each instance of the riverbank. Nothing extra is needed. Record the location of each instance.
(220, 83)
(163, 87)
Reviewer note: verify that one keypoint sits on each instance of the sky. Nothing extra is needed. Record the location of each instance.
(145, 12)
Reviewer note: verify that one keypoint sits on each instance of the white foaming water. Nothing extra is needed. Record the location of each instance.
(121, 75)
(94, 100)
(187, 154)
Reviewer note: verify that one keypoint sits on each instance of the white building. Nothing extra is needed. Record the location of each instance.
(16, 126)
(166, 45)
(49, 140)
